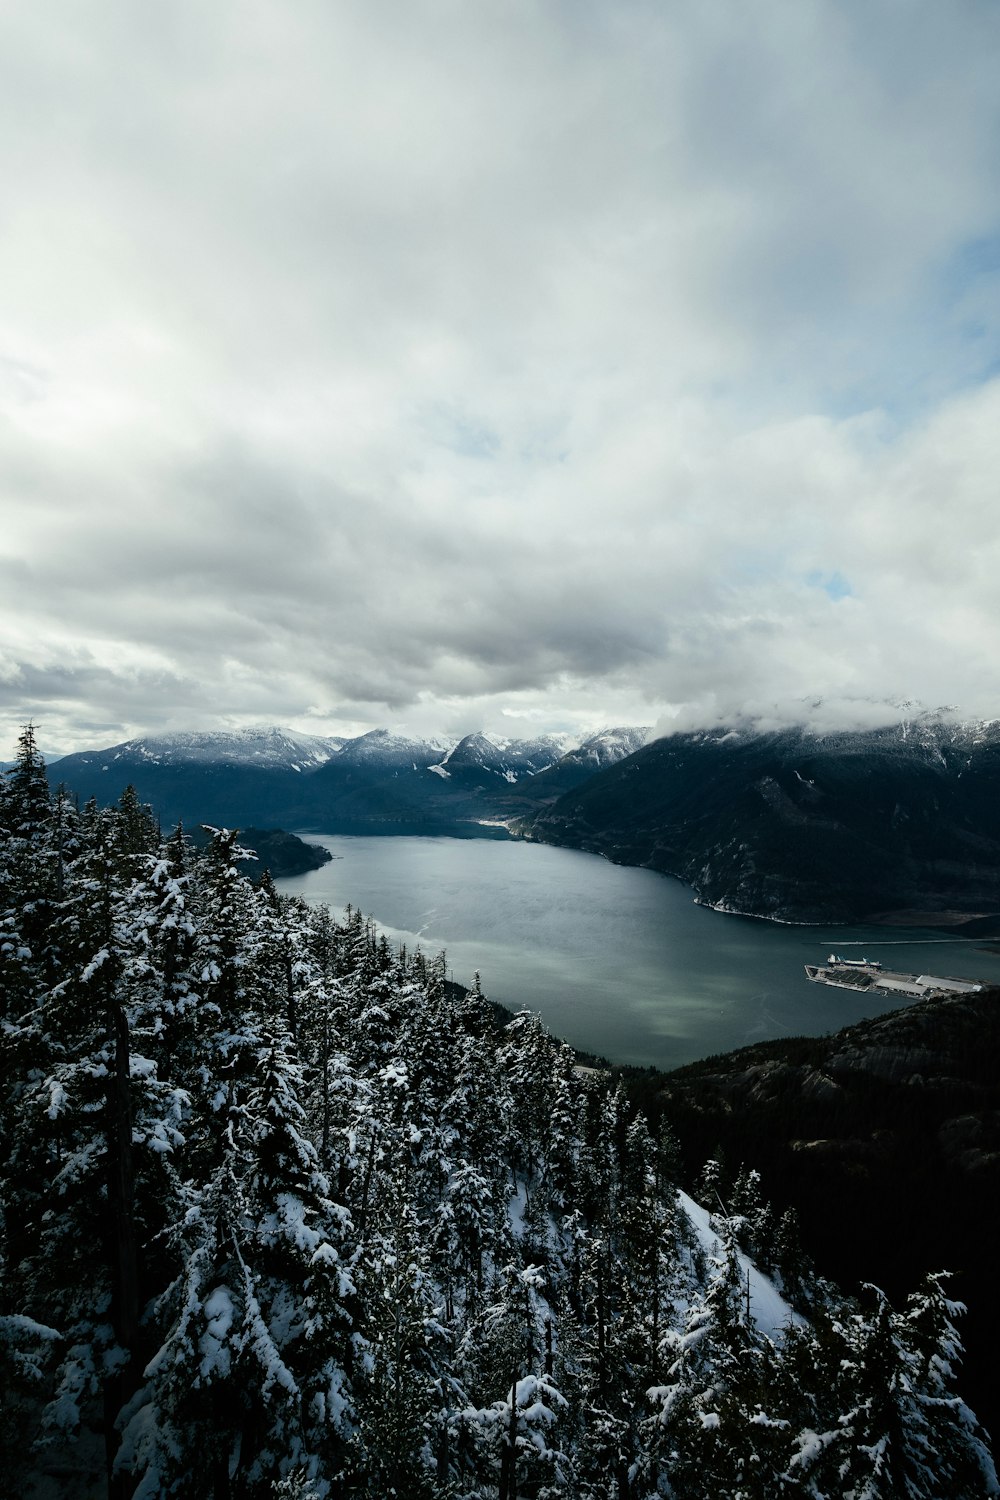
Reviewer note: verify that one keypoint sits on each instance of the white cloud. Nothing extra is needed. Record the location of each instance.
(446, 363)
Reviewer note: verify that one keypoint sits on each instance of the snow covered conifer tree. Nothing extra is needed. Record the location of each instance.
(28, 879)
(520, 1423)
(711, 1185)
(225, 930)
(406, 1401)
(303, 1258)
(712, 1430)
(251, 1378)
(943, 1436)
(900, 1430)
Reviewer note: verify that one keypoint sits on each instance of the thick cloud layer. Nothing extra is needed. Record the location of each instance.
(529, 364)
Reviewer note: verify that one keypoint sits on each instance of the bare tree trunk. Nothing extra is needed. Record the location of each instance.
(124, 1185)
(508, 1463)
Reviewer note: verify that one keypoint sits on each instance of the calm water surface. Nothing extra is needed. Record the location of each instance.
(620, 962)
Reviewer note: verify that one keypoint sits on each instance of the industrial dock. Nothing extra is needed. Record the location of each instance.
(866, 974)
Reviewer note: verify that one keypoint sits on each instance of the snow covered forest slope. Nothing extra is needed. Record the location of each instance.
(282, 1216)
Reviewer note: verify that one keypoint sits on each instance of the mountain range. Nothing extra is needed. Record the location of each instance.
(376, 782)
(898, 824)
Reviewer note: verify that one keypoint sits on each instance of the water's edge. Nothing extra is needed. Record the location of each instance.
(621, 962)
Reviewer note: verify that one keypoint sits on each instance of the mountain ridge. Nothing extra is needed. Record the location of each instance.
(803, 827)
(383, 780)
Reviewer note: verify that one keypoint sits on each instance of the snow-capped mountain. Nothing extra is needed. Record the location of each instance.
(798, 824)
(508, 759)
(607, 747)
(283, 749)
(384, 778)
(596, 753)
(234, 776)
(382, 747)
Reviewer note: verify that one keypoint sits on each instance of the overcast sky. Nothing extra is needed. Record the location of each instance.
(459, 363)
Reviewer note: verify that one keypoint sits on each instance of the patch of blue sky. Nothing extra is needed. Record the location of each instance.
(458, 433)
(967, 293)
(834, 585)
(971, 263)
(901, 356)
(470, 440)
(906, 366)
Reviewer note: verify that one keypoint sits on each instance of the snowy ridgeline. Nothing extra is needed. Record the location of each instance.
(285, 749)
(283, 1218)
(272, 748)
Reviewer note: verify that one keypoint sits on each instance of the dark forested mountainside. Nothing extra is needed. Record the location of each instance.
(885, 1138)
(804, 828)
(283, 1215)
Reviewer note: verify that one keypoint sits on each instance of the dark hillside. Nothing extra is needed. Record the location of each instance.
(227, 795)
(885, 1138)
(801, 828)
(279, 852)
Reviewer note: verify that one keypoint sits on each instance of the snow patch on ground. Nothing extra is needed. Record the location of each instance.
(768, 1308)
(515, 1209)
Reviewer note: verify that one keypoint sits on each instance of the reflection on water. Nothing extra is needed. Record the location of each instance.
(620, 962)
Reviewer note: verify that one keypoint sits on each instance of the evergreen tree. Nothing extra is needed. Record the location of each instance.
(402, 1441)
(29, 877)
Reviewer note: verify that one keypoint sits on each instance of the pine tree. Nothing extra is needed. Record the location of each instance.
(711, 1433)
(899, 1431)
(29, 874)
(404, 1403)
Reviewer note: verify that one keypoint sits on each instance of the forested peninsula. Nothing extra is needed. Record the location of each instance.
(284, 1215)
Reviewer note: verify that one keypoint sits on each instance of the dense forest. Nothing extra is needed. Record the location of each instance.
(283, 1215)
